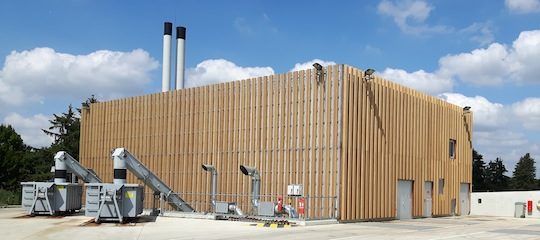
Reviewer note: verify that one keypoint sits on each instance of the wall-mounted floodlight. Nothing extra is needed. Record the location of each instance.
(320, 72)
(255, 184)
(368, 74)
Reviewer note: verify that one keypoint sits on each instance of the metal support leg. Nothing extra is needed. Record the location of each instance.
(155, 210)
(51, 212)
(120, 217)
(101, 204)
(37, 191)
(161, 203)
(105, 200)
(36, 194)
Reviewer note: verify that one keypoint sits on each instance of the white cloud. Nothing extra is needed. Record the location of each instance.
(33, 75)
(481, 66)
(214, 71)
(220, 70)
(372, 50)
(528, 111)
(410, 16)
(523, 6)
(499, 139)
(486, 115)
(309, 64)
(481, 33)
(30, 128)
(491, 66)
(255, 25)
(419, 80)
(524, 58)
(242, 26)
(497, 64)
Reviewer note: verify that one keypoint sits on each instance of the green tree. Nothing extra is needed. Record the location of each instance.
(11, 153)
(65, 129)
(20, 162)
(495, 178)
(525, 174)
(478, 172)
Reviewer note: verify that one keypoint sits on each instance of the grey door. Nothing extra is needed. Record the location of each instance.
(464, 203)
(428, 198)
(404, 199)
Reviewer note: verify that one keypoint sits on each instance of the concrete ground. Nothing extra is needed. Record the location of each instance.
(14, 224)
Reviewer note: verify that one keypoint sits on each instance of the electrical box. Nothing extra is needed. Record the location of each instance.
(266, 209)
(222, 207)
(295, 190)
(519, 210)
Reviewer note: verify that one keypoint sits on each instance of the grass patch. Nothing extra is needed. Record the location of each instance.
(10, 197)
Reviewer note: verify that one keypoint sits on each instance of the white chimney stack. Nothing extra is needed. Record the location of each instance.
(166, 74)
(180, 56)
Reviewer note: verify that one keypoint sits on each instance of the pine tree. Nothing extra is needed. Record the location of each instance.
(495, 178)
(525, 174)
(478, 172)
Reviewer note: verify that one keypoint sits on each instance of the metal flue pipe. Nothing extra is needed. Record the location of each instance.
(236, 210)
(60, 169)
(255, 184)
(180, 56)
(65, 161)
(213, 171)
(120, 169)
(166, 73)
(290, 211)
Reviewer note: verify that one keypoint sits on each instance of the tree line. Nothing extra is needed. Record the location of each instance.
(23, 163)
(492, 176)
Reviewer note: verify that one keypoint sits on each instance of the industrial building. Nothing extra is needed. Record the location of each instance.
(355, 146)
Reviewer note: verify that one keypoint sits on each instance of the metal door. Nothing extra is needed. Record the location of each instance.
(428, 198)
(464, 203)
(404, 199)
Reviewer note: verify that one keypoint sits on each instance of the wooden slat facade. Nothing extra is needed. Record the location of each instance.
(284, 125)
(393, 133)
(347, 141)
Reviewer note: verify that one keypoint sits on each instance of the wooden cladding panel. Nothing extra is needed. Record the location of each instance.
(285, 125)
(343, 138)
(393, 133)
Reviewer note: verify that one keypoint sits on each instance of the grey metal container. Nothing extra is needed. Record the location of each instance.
(51, 198)
(108, 201)
(519, 210)
(266, 209)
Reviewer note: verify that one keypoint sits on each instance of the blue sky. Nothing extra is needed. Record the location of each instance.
(482, 53)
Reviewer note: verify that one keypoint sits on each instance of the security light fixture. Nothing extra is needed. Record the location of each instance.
(320, 72)
(368, 74)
